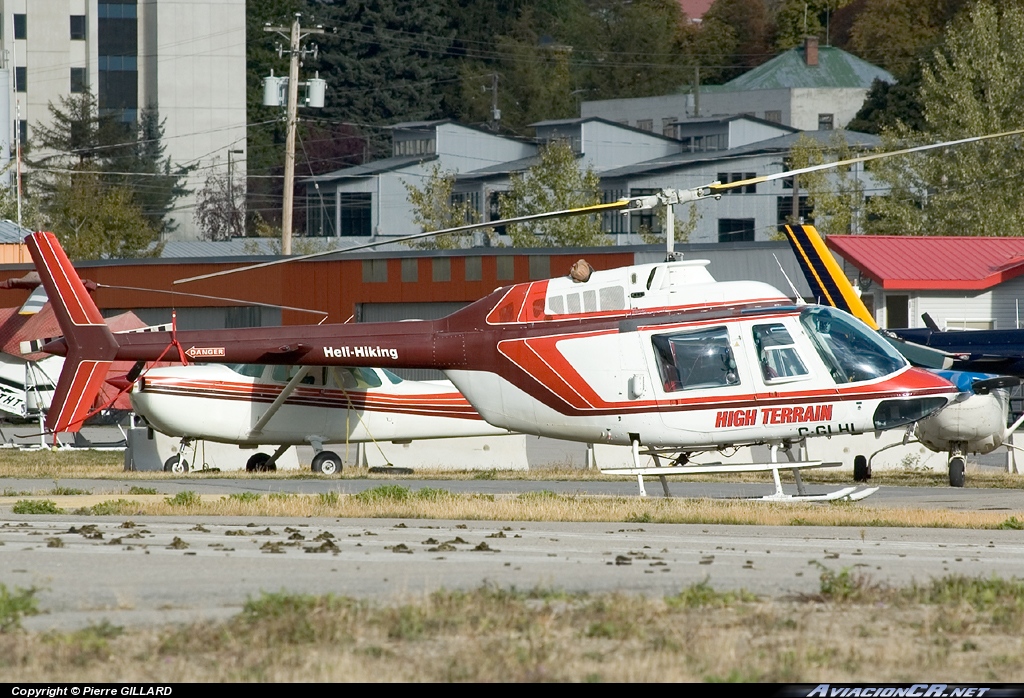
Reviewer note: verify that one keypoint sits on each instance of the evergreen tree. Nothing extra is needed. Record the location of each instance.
(114, 155)
(973, 87)
(385, 61)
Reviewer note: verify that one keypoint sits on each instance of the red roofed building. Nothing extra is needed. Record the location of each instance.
(961, 282)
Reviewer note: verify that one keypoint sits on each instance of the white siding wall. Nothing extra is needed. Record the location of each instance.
(197, 68)
(808, 103)
(743, 131)
(466, 149)
(605, 146)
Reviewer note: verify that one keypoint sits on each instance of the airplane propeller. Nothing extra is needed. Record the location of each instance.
(666, 197)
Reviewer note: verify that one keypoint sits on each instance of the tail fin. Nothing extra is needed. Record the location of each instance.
(827, 281)
(831, 287)
(91, 345)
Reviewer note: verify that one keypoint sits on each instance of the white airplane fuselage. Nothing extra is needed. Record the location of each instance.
(218, 403)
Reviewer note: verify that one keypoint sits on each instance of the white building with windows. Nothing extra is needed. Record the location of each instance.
(184, 57)
(745, 214)
(810, 87)
(372, 200)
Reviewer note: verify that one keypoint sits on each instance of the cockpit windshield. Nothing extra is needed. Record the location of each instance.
(850, 349)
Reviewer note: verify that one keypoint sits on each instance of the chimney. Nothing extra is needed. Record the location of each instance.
(811, 50)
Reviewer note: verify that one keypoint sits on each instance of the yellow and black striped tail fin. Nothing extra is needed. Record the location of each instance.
(826, 278)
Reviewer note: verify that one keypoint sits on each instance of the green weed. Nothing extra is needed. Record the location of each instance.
(384, 493)
(185, 498)
(14, 605)
(36, 506)
(431, 494)
(112, 507)
(142, 490)
(702, 595)
(245, 496)
(328, 499)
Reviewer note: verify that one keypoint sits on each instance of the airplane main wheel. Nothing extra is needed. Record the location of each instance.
(326, 462)
(957, 471)
(257, 463)
(861, 469)
(175, 464)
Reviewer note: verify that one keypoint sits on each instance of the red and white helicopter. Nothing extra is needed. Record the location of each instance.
(660, 357)
(255, 404)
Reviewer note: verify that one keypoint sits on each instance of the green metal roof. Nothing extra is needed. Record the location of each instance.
(836, 68)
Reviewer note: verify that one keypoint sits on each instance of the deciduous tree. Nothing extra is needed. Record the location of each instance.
(557, 182)
(433, 209)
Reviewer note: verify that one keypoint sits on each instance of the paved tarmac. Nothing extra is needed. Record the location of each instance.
(173, 569)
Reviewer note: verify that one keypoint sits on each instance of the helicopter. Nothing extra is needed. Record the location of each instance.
(659, 357)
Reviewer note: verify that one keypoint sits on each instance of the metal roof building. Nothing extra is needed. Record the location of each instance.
(961, 282)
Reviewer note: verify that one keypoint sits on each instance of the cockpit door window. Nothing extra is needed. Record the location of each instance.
(695, 360)
(777, 354)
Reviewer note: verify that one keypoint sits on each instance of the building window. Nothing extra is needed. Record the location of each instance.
(23, 130)
(735, 229)
(645, 124)
(355, 210)
(699, 144)
(21, 79)
(78, 27)
(784, 210)
(897, 311)
(644, 220)
(540, 267)
(20, 27)
(494, 211)
(79, 80)
(474, 269)
(825, 122)
(419, 146)
(727, 177)
(441, 268)
(375, 271)
(506, 268)
(773, 115)
(320, 208)
(668, 126)
(115, 10)
(410, 270)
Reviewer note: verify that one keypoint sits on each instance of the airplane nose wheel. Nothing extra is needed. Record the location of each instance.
(326, 462)
(175, 464)
(957, 467)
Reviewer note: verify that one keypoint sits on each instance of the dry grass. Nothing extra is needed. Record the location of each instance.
(396, 501)
(81, 463)
(954, 631)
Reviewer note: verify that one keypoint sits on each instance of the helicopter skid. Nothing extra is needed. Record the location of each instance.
(847, 494)
(720, 468)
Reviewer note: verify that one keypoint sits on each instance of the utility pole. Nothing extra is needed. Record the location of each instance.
(295, 35)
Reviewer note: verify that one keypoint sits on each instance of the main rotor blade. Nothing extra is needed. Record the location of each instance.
(582, 211)
(862, 158)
